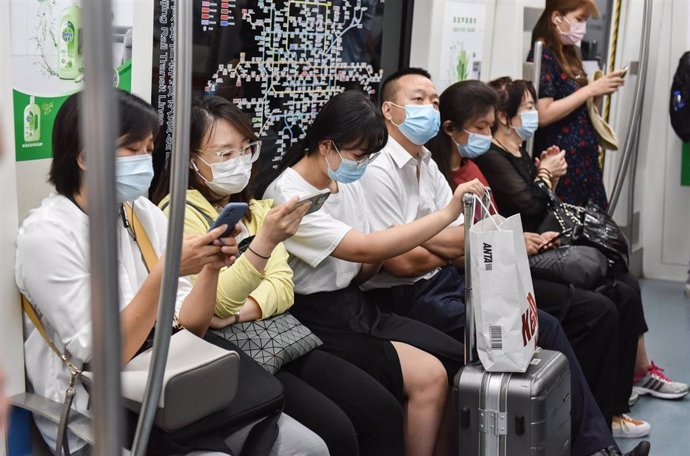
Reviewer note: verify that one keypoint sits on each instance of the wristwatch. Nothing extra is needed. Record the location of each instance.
(237, 318)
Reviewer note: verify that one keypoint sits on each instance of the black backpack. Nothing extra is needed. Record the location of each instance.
(679, 106)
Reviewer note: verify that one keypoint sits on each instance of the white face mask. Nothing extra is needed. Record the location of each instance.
(229, 176)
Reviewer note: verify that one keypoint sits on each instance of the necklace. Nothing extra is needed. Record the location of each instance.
(517, 154)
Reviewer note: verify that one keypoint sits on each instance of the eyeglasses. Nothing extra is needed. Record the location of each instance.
(251, 149)
(363, 161)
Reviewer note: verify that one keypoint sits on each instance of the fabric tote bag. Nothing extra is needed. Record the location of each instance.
(505, 311)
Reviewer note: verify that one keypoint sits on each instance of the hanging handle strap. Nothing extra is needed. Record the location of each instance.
(62, 442)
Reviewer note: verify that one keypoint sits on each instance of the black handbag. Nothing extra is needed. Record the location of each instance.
(583, 266)
(589, 226)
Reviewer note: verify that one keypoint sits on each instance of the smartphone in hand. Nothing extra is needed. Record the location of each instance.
(317, 199)
(623, 71)
(231, 215)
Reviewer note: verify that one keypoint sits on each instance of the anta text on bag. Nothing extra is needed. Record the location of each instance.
(488, 257)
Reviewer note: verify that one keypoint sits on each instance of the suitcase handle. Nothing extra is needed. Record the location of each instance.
(469, 200)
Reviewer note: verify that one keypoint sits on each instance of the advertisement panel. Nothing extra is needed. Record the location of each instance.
(47, 65)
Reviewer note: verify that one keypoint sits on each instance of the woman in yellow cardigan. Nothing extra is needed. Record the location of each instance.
(346, 407)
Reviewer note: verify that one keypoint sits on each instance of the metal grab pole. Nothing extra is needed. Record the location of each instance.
(471, 356)
(98, 124)
(536, 79)
(178, 190)
(632, 137)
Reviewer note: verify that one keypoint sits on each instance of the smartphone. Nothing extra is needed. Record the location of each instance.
(554, 239)
(317, 199)
(624, 71)
(231, 215)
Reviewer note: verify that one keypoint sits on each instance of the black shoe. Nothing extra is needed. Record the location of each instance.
(642, 449)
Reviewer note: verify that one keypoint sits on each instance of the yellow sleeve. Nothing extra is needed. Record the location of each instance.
(235, 283)
(275, 294)
(272, 290)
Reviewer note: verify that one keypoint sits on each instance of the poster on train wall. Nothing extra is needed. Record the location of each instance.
(279, 61)
(47, 65)
(464, 25)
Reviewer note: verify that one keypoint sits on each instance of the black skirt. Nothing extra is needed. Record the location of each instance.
(355, 329)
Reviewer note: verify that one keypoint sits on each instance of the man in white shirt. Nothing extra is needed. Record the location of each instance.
(403, 184)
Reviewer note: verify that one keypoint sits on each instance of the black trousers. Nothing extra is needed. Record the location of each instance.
(590, 320)
(624, 291)
(443, 294)
(343, 404)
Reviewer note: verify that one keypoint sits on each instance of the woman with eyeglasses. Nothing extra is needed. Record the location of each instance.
(334, 250)
(347, 408)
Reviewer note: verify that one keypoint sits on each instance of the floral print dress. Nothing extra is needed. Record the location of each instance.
(575, 134)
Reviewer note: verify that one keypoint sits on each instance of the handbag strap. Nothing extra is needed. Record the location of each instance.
(141, 238)
(201, 212)
(62, 442)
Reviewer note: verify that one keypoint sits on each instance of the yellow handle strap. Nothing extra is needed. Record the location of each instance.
(30, 311)
(142, 238)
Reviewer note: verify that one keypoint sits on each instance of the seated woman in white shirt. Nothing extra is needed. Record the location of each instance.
(333, 251)
(52, 267)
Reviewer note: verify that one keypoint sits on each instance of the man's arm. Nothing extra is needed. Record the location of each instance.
(414, 263)
(449, 244)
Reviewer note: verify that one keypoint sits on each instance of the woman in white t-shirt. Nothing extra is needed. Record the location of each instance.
(53, 272)
(333, 251)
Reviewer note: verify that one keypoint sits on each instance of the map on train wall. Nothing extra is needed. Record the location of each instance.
(278, 60)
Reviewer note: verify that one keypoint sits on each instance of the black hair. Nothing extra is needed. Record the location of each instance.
(461, 103)
(388, 88)
(349, 119)
(510, 94)
(205, 114)
(137, 119)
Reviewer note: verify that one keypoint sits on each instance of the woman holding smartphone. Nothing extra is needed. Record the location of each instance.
(53, 272)
(333, 251)
(341, 403)
(563, 94)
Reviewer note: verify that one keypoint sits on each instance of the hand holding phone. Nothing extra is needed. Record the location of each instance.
(317, 200)
(553, 241)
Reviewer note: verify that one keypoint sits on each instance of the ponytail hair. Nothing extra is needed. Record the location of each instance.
(349, 119)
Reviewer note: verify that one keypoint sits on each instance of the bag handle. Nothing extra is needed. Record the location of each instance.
(486, 210)
(141, 238)
(62, 442)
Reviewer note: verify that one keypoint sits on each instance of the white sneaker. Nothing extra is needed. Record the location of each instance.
(634, 397)
(654, 382)
(625, 427)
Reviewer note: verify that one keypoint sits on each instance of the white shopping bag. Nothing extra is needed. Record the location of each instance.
(505, 312)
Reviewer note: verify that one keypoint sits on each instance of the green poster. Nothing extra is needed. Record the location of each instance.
(47, 65)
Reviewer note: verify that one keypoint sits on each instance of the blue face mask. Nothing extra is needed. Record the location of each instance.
(530, 123)
(476, 145)
(349, 170)
(133, 176)
(421, 123)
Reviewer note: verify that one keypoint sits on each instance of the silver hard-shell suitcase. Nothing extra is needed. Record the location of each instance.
(509, 414)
